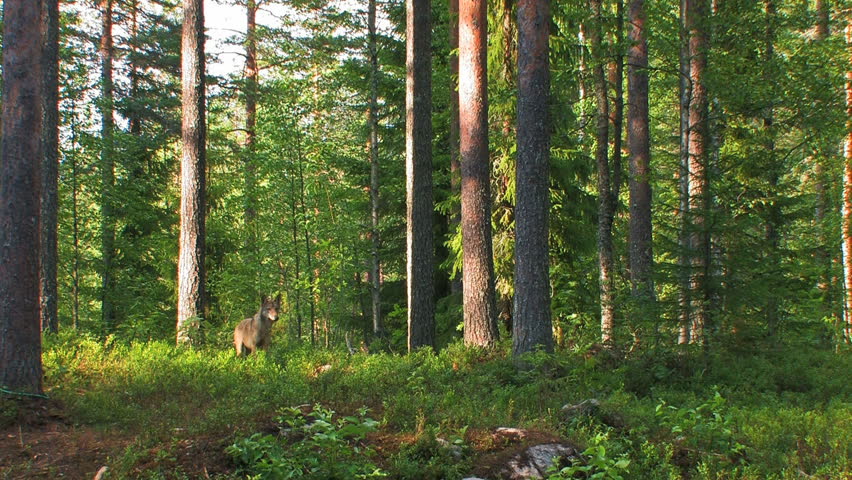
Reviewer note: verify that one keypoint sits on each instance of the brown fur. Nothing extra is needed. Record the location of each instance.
(255, 332)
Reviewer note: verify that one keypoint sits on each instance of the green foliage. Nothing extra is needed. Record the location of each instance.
(431, 457)
(709, 427)
(595, 463)
(311, 446)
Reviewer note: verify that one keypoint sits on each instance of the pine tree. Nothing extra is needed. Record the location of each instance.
(419, 200)
(20, 185)
(191, 271)
(532, 327)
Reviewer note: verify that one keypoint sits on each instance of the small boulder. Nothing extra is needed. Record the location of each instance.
(536, 460)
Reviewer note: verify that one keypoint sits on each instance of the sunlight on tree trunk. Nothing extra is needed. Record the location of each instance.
(606, 203)
(191, 271)
(638, 140)
(846, 229)
(480, 310)
(699, 189)
(684, 255)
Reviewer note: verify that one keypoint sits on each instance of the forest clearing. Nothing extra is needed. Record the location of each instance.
(426, 239)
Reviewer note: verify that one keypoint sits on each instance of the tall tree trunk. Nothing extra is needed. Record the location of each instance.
(699, 189)
(507, 25)
(418, 166)
(75, 222)
(606, 202)
(191, 271)
(309, 269)
(456, 286)
(251, 95)
(846, 222)
(684, 257)
(20, 185)
(375, 264)
(823, 256)
(480, 309)
(50, 168)
(107, 165)
(532, 326)
(638, 141)
(773, 219)
(294, 218)
(616, 78)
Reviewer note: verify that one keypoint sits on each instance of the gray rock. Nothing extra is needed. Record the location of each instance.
(536, 460)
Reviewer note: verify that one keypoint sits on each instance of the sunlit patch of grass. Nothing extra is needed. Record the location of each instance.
(771, 426)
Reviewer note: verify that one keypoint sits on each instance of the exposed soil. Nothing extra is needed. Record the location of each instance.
(39, 442)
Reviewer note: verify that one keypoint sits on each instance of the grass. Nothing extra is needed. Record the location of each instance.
(774, 415)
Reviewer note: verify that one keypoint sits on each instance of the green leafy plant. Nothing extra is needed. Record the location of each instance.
(597, 463)
(315, 445)
(709, 427)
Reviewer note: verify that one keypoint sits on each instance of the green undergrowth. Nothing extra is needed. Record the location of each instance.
(781, 413)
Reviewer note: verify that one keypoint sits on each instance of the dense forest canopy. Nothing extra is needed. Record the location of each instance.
(306, 179)
(460, 214)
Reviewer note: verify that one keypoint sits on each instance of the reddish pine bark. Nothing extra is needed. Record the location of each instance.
(699, 141)
(532, 326)
(684, 257)
(418, 163)
(20, 185)
(191, 272)
(638, 141)
(480, 310)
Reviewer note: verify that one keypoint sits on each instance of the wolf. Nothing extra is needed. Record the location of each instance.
(254, 332)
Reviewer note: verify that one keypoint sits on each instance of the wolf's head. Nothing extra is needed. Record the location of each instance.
(269, 307)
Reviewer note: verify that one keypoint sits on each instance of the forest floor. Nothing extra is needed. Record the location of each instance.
(147, 410)
(43, 443)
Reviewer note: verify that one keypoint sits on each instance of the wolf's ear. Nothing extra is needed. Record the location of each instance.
(278, 299)
(263, 299)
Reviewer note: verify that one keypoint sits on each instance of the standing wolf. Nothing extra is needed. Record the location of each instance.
(254, 332)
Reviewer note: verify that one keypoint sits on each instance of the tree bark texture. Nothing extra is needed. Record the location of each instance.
(616, 78)
(418, 169)
(107, 165)
(375, 264)
(822, 29)
(606, 202)
(480, 309)
(249, 163)
(638, 141)
(50, 168)
(456, 286)
(191, 271)
(699, 188)
(846, 221)
(684, 257)
(20, 185)
(532, 326)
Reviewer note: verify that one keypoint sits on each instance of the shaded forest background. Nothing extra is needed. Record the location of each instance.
(289, 209)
